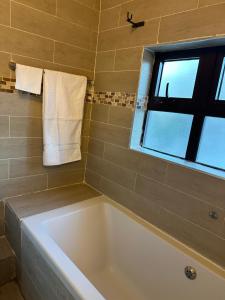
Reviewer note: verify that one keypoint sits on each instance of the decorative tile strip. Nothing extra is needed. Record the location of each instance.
(142, 103)
(110, 98)
(115, 99)
(7, 85)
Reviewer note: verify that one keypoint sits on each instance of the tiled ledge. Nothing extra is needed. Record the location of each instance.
(19, 207)
(35, 203)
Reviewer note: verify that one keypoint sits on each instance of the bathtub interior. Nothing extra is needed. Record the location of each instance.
(124, 260)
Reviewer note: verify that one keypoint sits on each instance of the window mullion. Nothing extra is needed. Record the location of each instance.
(201, 97)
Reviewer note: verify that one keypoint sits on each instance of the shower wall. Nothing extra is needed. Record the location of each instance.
(58, 35)
(172, 197)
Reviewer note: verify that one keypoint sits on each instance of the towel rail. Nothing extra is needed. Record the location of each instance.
(12, 66)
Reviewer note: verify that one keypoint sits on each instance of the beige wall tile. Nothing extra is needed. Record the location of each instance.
(120, 116)
(113, 172)
(125, 37)
(78, 13)
(111, 3)
(3, 172)
(145, 10)
(182, 204)
(204, 22)
(109, 18)
(86, 128)
(37, 22)
(122, 157)
(1, 218)
(73, 166)
(92, 3)
(17, 104)
(194, 236)
(84, 144)
(51, 66)
(146, 209)
(209, 2)
(105, 61)
(152, 167)
(2, 228)
(73, 56)
(124, 81)
(4, 126)
(22, 43)
(26, 166)
(65, 178)
(4, 67)
(45, 5)
(25, 127)
(100, 112)
(142, 164)
(20, 147)
(118, 193)
(206, 187)
(96, 147)
(22, 185)
(92, 179)
(5, 12)
(128, 59)
(87, 111)
(109, 133)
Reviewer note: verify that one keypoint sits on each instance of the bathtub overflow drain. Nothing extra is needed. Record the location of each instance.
(190, 272)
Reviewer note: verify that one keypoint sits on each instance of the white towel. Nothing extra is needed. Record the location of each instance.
(63, 103)
(28, 79)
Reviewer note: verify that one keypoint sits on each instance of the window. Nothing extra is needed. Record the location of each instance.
(186, 108)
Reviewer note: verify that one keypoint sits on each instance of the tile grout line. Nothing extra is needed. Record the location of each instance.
(48, 38)
(10, 14)
(118, 71)
(56, 8)
(114, 63)
(162, 207)
(54, 52)
(96, 49)
(8, 168)
(164, 16)
(55, 16)
(158, 32)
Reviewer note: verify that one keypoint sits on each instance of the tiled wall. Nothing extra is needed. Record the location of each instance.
(21, 169)
(54, 34)
(175, 198)
(49, 33)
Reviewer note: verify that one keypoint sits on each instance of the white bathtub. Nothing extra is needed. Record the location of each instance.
(101, 250)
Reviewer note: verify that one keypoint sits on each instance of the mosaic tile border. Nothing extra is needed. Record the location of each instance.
(128, 100)
(7, 85)
(121, 99)
(115, 99)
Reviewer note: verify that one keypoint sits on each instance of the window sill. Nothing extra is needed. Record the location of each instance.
(179, 161)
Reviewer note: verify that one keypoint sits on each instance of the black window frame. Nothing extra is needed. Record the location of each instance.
(202, 104)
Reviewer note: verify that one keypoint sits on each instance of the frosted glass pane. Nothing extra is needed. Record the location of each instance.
(168, 132)
(212, 144)
(220, 95)
(180, 75)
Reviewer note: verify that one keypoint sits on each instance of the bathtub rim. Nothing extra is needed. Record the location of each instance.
(30, 226)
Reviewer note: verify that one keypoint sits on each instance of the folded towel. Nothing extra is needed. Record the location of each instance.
(28, 79)
(63, 103)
